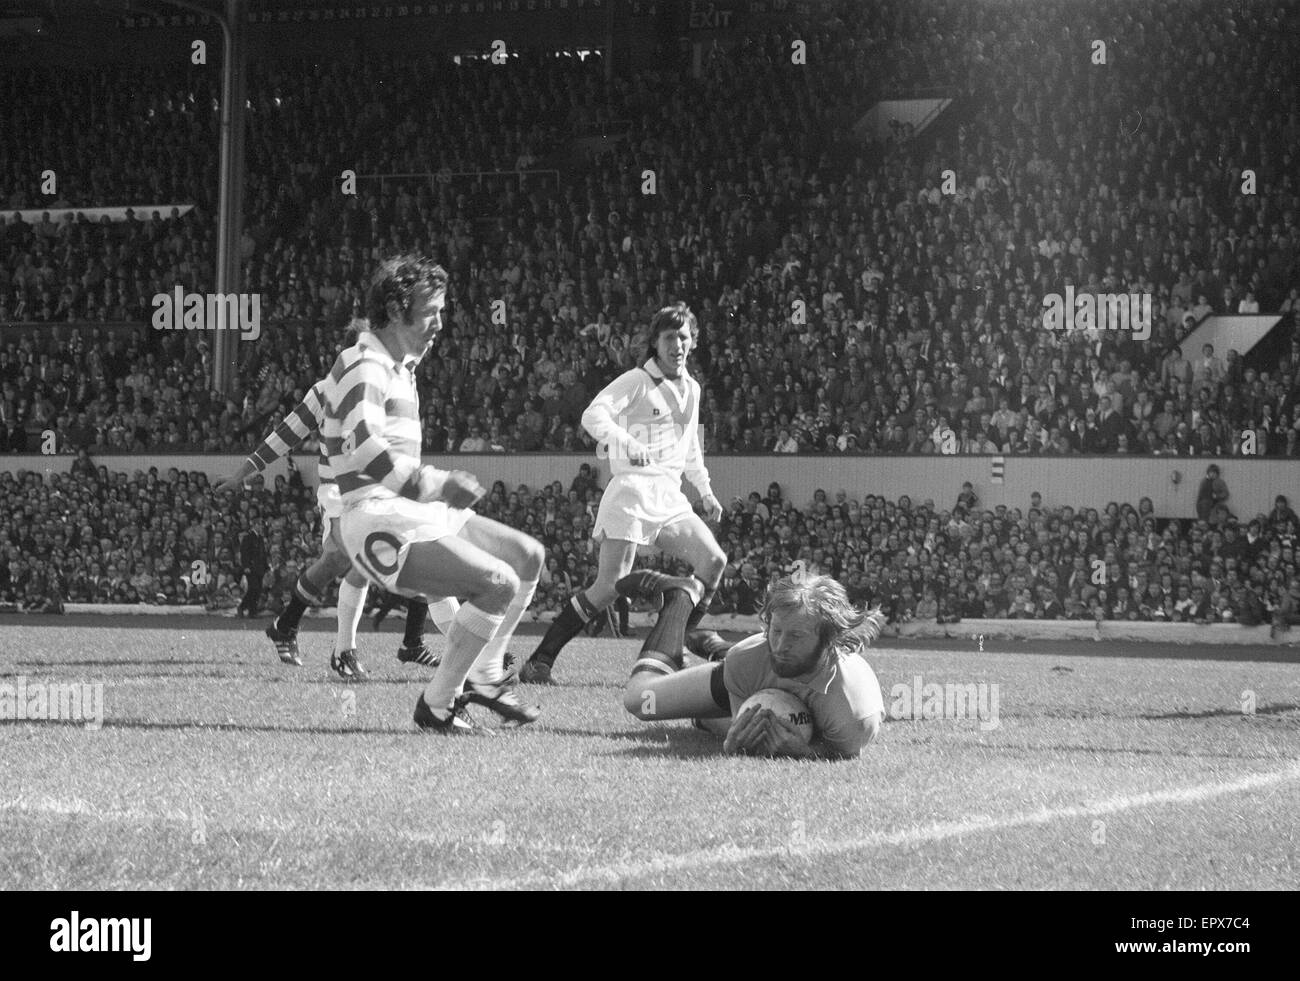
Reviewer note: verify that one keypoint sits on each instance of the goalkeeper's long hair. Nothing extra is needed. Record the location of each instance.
(843, 629)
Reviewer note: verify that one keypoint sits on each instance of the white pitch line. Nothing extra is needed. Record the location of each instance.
(41, 804)
(919, 835)
(728, 854)
(63, 806)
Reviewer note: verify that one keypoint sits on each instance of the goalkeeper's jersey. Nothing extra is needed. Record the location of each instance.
(842, 695)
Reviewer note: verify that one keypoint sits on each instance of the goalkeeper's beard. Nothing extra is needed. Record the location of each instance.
(785, 668)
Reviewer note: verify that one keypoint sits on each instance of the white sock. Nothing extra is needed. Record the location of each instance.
(490, 667)
(443, 612)
(469, 632)
(352, 601)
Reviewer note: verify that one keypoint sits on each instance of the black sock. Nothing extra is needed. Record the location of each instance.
(669, 632)
(291, 615)
(624, 606)
(417, 612)
(701, 608)
(566, 626)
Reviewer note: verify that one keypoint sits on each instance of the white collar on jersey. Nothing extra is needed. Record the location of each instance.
(652, 367)
(371, 342)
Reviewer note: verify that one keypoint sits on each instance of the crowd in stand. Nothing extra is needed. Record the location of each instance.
(922, 562)
(96, 536)
(847, 302)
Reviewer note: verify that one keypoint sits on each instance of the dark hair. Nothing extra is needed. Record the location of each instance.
(671, 317)
(398, 280)
(353, 331)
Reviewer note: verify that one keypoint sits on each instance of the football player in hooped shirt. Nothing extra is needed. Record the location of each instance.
(813, 646)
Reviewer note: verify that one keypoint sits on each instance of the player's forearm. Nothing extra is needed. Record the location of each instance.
(430, 482)
(405, 475)
(699, 479)
(280, 443)
(267, 453)
(250, 466)
(599, 423)
(292, 431)
(695, 470)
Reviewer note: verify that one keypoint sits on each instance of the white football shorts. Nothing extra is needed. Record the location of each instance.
(378, 533)
(636, 507)
(330, 503)
(329, 500)
(331, 539)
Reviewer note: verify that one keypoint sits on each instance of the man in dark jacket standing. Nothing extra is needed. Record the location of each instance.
(252, 557)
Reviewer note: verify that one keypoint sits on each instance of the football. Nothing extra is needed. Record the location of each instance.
(784, 704)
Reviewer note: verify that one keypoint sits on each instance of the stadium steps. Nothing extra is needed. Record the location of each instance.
(1274, 347)
(1238, 332)
(922, 113)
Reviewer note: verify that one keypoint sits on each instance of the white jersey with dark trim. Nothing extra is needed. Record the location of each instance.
(642, 406)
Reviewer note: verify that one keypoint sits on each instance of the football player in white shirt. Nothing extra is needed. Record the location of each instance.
(647, 421)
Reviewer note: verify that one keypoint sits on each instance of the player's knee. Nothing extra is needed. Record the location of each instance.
(638, 699)
(534, 557)
(500, 587)
(443, 609)
(714, 566)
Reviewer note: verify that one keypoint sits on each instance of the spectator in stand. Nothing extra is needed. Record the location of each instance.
(1211, 494)
(1287, 613)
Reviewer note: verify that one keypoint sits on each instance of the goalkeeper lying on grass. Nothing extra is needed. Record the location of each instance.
(813, 646)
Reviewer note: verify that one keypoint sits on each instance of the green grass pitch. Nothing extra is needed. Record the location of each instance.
(219, 767)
